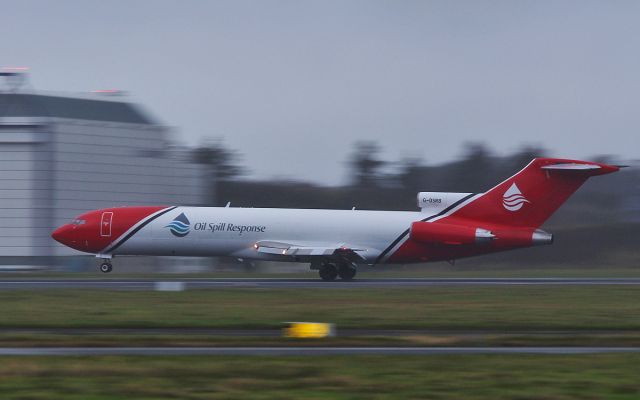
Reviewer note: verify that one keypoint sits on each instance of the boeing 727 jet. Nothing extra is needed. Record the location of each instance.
(335, 242)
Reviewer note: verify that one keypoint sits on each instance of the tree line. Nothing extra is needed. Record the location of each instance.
(378, 183)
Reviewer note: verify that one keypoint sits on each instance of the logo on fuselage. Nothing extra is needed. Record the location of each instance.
(512, 199)
(180, 226)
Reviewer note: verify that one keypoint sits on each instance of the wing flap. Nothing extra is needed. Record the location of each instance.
(308, 249)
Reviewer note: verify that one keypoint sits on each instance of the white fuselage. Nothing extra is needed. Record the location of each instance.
(217, 231)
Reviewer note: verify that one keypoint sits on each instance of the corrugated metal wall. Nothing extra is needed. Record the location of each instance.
(52, 170)
(24, 207)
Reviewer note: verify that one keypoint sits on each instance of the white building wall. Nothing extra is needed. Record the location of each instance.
(98, 165)
(53, 169)
(24, 189)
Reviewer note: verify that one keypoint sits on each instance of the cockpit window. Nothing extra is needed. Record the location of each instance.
(78, 222)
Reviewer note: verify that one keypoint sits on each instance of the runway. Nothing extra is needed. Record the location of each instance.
(348, 332)
(301, 351)
(209, 283)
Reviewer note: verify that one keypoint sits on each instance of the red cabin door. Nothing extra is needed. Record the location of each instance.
(105, 224)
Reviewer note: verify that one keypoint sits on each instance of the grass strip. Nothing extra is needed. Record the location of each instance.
(500, 308)
(459, 377)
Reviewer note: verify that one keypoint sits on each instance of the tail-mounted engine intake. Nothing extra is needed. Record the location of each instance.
(437, 201)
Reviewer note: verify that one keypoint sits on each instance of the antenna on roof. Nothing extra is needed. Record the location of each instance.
(14, 78)
(109, 92)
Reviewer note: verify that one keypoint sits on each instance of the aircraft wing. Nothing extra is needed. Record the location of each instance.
(310, 250)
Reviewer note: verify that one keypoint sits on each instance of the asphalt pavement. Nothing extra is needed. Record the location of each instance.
(209, 283)
(301, 351)
(348, 332)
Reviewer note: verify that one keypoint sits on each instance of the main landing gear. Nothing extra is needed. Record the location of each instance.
(329, 271)
(106, 267)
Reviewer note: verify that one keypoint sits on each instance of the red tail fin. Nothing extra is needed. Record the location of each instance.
(531, 196)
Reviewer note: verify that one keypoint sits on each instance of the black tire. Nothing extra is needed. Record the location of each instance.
(328, 272)
(347, 271)
(105, 268)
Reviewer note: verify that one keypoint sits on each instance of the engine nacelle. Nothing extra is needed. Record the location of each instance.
(522, 237)
(436, 201)
(433, 232)
(427, 232)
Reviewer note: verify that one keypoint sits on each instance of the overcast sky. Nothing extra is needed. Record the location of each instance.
(293, 84)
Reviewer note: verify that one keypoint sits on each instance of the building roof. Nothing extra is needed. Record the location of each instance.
(39, 105)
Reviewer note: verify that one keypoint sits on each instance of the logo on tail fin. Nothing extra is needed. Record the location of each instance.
(512, 199)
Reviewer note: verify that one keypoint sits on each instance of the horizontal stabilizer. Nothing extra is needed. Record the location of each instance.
(571, 166)
(581, 166)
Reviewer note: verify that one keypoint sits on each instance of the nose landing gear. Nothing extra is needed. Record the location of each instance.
(106, 267)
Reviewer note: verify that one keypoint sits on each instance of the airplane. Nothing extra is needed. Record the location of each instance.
(448, 226)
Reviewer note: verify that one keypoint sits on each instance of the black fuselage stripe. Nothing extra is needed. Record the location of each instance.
(406, 232)
(392, 245)
(137, 229)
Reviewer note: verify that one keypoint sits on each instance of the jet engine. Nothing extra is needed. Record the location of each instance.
(427, 232)
(434, 232)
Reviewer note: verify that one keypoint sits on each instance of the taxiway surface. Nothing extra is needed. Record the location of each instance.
(208, 283)
(302, 351)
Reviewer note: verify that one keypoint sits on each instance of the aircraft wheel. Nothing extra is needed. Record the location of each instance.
(328, 272)
(347, 271)
(106, 267)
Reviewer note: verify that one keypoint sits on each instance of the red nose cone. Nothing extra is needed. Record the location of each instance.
(63, 235)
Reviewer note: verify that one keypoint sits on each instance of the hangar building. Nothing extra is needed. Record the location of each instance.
(62, 155)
